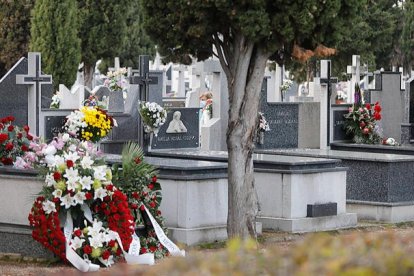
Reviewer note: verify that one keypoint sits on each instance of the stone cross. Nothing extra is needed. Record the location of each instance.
(355, 70)
(180, 88)
(117, 65)
(34, 79)
(328, 81)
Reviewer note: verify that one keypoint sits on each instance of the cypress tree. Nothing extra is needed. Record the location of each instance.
(54, 33)
(14, 31)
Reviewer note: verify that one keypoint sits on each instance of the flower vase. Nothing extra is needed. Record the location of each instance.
(339, 101)
(116, 102)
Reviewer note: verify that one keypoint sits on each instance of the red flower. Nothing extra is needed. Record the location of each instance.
(56, 200)
(88, 195)
(154, 179)
(69, 163)
(377, 107)
(29, 137)
(377, 116)
(153, 248)
(111, 243)
(9, 146)
(25, 148)
(87, 249)
(134, 206)
(10, 118)
(142, 207)
(135, 195)
(365, 131)
(3, 137)
(77, 232)
(143, 250)
(106, 254)
(10, 128)
(57, 176)
(151, 186)
(368, 106)
(19, 135)
(152, 204)
(362, 125)
(26, 128)
(110, 187)
(137, 160)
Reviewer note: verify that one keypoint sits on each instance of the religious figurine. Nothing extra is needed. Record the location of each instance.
(176, 125)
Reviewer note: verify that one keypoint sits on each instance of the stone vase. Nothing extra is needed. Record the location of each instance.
(116, 102)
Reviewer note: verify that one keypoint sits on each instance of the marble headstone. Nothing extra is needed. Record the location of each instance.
(338, 132)
(172, 136)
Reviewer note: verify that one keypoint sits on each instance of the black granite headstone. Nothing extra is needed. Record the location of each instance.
(188, 139)
(53, 126)
(338, 123)
(168, 103)
(14, 98)
(322, 210)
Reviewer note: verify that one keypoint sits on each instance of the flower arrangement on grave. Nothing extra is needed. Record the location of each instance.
(98, 223)
(55, 101)
(286, 85)
(209, 108)
(14, 141)
(263, 124)
(115, 80)
(138, 180)
(89, 123)
(361, 120)
(153, 116)
(341, 96)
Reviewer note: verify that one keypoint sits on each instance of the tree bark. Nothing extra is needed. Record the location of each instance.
(88, 73)
(245, 77)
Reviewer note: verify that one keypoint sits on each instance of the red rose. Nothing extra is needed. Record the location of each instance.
(3, 137)
(7, 161)
(151, 186)
(111, 243)
(87, 249)
(1, 126)
(134, 206)
(137, 160)
(56, 200)
(143, 250)
(110, 187)
(377, 116)
(365, 131)
(152, 204)
(25, 148)
(69, 163)
(362, 125)
(19, 135)
(153, 248)
(10, 128)
(142, 207)
(29, 137)
(377, 107)
(135, 195)
(77, 232)
(88, 195)
(57, 176)
(368, 106)
(10, 118)
(103, 205)
(158, 212)
(154, 178)
(9, 146)
(26, 128)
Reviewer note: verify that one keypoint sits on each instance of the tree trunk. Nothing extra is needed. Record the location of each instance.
(88, 73)
(245, 77)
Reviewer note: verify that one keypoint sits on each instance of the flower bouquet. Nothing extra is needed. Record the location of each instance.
(89, 123)
(286, 85)
(79, 189)
(115, 80)
(361, 121)
(55, 101)
(262, 127)
(14, 141)
(153, 116)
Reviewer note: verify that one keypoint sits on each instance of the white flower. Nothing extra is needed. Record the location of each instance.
(67, 201)
(72, 147)
(99, 172)
(65, 137)
(72, 156)
(95, 229)
(96, 241)
(86, 162)
(49, 150)
(108, 262)
(49, 207)
(76, 243)
(79, 197)
(86, 182)
(100, 193)
(72, 178)
(57, 193)
(50, 181)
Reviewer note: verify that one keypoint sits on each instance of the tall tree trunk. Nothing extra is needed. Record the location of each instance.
(89, 70)
(245, 77)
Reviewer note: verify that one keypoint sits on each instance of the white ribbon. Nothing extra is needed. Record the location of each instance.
(164, 240)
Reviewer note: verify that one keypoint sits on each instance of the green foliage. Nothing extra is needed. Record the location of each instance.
(14, 31)
(54, 33)
(407, 37)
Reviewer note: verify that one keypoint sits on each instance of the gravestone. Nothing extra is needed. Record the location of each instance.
(53, 126)
(173, 102)
(156, 87)
(408, 113)
(338, 132)
(185, 139)
(35, 79)
(391, 98)
(14, 98)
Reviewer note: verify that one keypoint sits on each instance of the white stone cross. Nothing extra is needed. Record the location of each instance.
(355, 70)
(34, 79)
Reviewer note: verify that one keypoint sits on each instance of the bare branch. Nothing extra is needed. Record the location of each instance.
(221, 56)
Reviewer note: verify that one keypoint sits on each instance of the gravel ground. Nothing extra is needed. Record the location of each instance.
(11, 265)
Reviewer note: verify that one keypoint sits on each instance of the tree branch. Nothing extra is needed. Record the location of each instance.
(221, 56)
